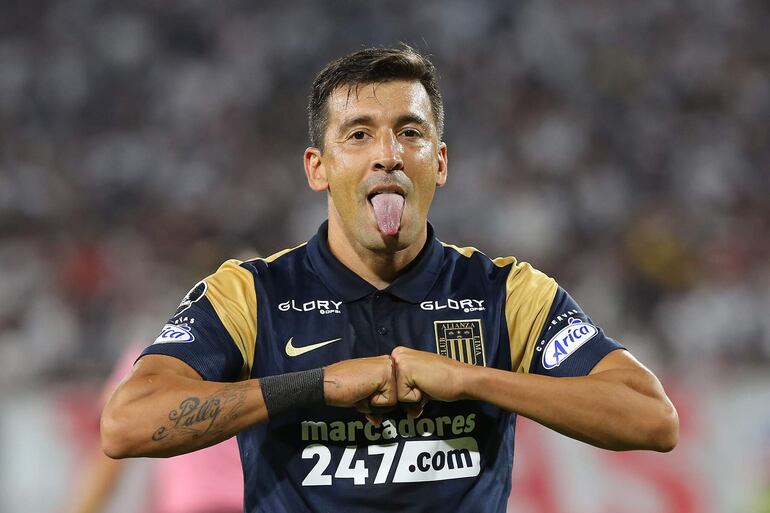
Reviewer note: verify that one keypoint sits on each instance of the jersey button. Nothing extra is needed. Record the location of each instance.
(382, 330)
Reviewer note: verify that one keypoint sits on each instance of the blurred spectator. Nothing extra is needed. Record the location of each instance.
(618, 146)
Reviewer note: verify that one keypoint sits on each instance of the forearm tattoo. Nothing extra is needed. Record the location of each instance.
(197, 417)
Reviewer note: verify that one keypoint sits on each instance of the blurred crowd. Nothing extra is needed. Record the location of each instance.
(622, 147)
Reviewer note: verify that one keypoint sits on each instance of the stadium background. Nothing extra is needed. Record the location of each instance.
(622, 147)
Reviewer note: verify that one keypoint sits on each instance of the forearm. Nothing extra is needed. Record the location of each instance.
(164, 408)
(618, 409)
(167, 414)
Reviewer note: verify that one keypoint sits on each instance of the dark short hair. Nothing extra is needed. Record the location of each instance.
(371, 66)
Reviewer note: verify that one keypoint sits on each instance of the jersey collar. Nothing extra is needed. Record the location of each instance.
(412, 285)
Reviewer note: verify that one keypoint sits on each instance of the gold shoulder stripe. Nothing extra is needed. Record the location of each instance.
(528, 298)
(469, 251)
(232, 294)
(503, 261)
(466, 252)
(278, 255)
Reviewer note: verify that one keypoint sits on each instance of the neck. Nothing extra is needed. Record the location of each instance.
(379, 268)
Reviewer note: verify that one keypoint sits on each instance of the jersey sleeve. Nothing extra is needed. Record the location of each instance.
(549, 333)
(214, 329)
(570, 344)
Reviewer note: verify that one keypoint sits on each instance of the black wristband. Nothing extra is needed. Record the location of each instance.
(286, 392)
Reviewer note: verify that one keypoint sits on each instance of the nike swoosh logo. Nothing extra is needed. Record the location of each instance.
(296, 351)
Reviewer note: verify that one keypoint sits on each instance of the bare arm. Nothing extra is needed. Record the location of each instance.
(164, 408)
(620, 405)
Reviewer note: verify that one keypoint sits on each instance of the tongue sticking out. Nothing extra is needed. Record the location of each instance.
(387, 209)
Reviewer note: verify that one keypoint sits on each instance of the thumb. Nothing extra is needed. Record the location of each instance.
(410, 394)
(386, 395)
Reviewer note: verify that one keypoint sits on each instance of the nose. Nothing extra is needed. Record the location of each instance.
(389, 154)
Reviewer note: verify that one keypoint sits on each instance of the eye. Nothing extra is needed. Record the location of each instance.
(410, 132)
(358, 135)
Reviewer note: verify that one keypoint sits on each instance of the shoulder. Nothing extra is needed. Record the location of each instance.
(236, 280)
(251, 269)
(518, 275)
(288, 257)
(468, 258)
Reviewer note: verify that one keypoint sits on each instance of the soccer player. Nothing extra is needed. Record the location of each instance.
(376, 368)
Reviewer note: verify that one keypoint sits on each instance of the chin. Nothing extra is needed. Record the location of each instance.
(373, 240)
(402, 240)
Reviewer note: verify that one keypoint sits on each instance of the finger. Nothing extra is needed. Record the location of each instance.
(414, 410)
(374, 414)
(411, 395)
(363, 406)
(367, 407)
(407, 389)
(382, 400)
(386, 395)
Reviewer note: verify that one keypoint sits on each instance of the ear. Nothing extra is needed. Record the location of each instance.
(315, 171)
(441, 172)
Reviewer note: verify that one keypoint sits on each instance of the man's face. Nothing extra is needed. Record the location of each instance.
(381, 163)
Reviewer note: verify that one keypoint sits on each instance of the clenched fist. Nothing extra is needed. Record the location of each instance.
(361, 382)
(407, 376)
(420, 374)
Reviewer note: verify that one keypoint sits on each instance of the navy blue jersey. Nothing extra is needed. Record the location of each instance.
(302, 309)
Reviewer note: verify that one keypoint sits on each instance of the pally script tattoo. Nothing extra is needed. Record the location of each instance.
(198, 417)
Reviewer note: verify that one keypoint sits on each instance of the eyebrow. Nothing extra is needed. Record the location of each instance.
(412, 119)
(357, 120)
(367, 120)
